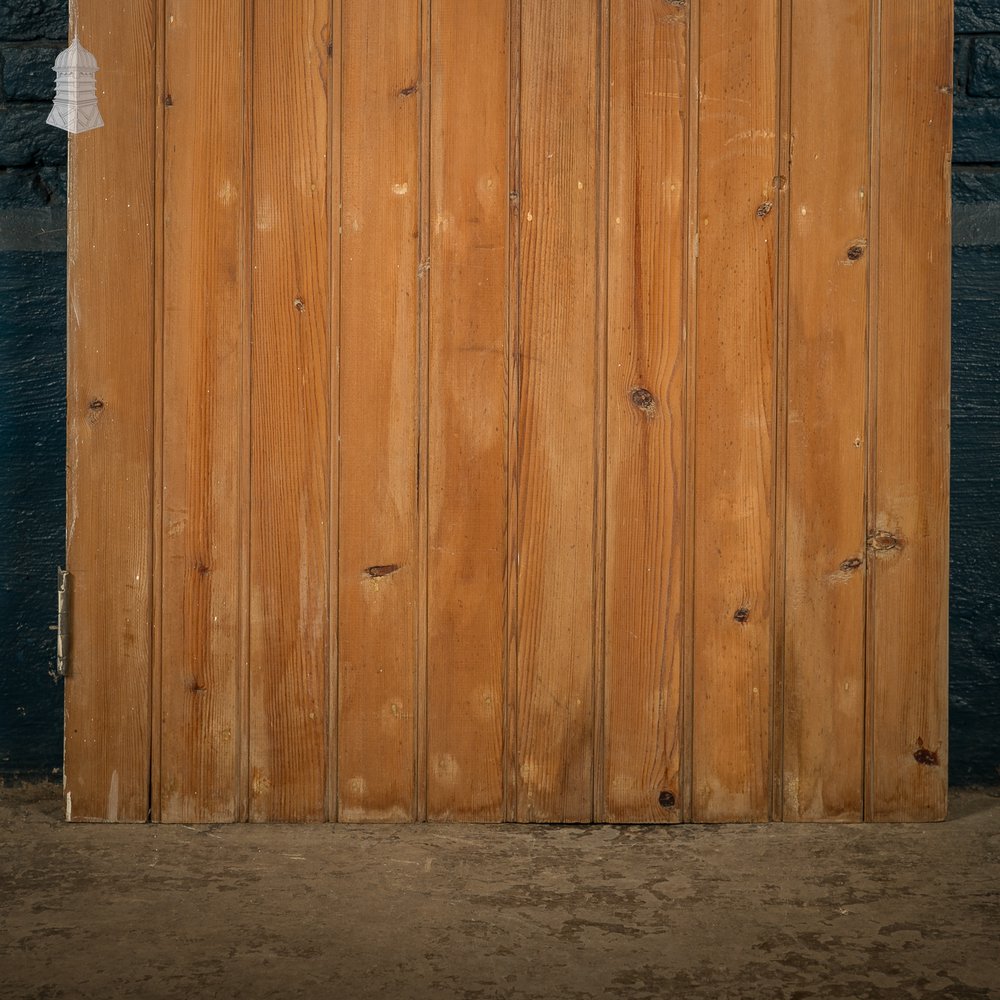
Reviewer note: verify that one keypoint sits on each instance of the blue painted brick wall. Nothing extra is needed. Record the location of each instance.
(32, 383)
(32, 373)
(975, 481)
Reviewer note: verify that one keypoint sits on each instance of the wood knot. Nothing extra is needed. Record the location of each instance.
(742, 615)
(96, 408)
(374, 572)
(883, 541)
(667, 799)
(410, 90)
(643, 400)
(848, 565)
(168, 101)
(765, 209)
(299, 304)
(856, 251)
(201, 568)
(926, 757)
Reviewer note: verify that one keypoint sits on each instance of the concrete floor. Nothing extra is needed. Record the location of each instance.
(498, 912)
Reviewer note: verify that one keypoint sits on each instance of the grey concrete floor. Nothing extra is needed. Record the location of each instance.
(498, 912)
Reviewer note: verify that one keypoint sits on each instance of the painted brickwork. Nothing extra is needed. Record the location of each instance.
(975, 481)
(32, 383)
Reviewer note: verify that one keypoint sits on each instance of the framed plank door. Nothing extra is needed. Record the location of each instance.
(510, 410)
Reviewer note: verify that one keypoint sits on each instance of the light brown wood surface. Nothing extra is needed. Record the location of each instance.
(109, 411)
(827, 388)
(379, 562)
(557, 398)
(528, 410)
(645, 423)
(205, 344)
(734, 422)
(907, 756)
(290, 413)
(467, 397)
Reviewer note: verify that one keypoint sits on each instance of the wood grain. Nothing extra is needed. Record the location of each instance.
(908, 529)
(588, 456)
(556, 433)
(204, 352)
(645, 481)
(467, 402)
(379, 559)
(824, 621)
(109, 424)
(290, 413)
(733, 421)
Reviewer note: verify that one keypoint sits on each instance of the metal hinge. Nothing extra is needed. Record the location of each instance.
(62, 624)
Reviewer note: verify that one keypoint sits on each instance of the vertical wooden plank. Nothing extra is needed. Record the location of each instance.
(204, 348)
(826, 406)
(908, 529)
(733, 419)
(510, 760)
(645, 517)
(290, 418)
(334, 80)
(558, 367)
(379, 568)
(109, 418)
(467, 458)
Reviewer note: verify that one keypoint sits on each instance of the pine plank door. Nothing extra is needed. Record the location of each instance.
(509, 410)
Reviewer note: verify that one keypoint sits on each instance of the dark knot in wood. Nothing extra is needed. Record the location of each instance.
(643, 400)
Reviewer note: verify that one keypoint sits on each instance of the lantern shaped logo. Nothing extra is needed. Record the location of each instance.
(75, 107)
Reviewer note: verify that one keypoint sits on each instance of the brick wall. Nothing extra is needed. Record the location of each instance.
(975, 481)
(32, 383)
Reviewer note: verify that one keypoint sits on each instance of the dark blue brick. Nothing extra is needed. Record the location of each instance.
(20, 188)
(975, 184)
(25, 139)
(27, 72)
(984, 67)
(977, 131)
(963, 46)
(975, 15)
(27, 19)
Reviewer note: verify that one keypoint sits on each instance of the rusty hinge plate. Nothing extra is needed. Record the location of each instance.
(62, 623)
